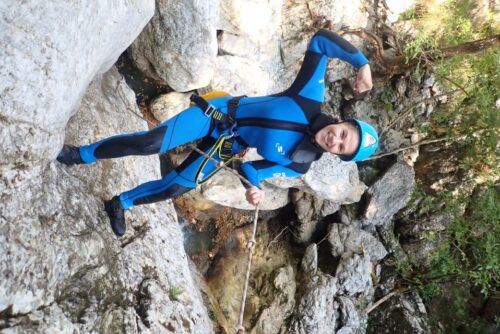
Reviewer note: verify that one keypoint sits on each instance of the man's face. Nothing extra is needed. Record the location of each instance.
(341, 138)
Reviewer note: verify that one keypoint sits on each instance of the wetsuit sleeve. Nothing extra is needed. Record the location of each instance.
(324, 44)
(257, 171)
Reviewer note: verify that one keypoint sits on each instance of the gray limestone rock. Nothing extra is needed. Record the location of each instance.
(307, 209)
(351, 321)
(249, 57)
(317, 311)
(309, 263)
(64, 270)
(389, 194)
(241, 76)
(329, 208)
(329, 178)
(179, 44)
(168, 105)
(226, 189)
(348, 239)
(354, 275)
(50, 51)
(271, 318)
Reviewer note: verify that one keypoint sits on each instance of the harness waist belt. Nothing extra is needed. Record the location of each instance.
(225, 121)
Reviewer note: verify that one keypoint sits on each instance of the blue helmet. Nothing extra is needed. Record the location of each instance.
(368, 141)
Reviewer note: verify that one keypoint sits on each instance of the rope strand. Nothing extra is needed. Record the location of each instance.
(251, 245)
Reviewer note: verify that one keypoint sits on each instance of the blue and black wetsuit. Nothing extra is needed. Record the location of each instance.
(275, 125)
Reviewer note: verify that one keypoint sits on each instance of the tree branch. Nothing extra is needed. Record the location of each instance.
(424, 142)
(385, 298)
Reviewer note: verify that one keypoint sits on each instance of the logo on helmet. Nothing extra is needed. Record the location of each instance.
(369, 140)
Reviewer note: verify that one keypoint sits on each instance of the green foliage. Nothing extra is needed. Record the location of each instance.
(174, 292)
(470, 112)
(467, 255)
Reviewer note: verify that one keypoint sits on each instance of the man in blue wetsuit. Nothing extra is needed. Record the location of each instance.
(287, 129)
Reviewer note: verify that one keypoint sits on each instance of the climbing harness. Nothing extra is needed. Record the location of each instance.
(222, 147)
(226, 122)
(252, 242)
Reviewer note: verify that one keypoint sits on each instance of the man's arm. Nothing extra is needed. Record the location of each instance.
(324, 44)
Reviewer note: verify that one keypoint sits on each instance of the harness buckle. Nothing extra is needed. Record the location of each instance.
(210, 110)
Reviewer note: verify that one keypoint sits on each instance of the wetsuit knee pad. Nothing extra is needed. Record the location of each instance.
(136, 144)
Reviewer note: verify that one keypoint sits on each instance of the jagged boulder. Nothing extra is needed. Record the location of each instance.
(329, 178)
(348, 239)
(50, 52)
(354, 275)
(317, 311)
(351, 321)
(225, 188)
(249, 47)
(307, 209)
(179, 44)
(64, 270)
(389, 194)
(168, 105)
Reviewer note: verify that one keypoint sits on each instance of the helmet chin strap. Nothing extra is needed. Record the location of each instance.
(319, 122)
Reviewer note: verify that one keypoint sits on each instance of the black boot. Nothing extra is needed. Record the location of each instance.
(70, 155)
(116, 215)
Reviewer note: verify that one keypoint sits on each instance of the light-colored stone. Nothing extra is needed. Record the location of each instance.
(389, 194)
(258, 20)
(351, 321)
(309, 263)
(317, 311)
(354, 275)
(329, 208)
(241, 76)
(226, 189)
(179, 44)
(50, 51)
(307, 209)
(168, 105)
(60, 259)
(397, 7)
(348, 239)
(329, 178)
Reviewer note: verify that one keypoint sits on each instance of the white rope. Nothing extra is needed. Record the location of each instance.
(251, 245)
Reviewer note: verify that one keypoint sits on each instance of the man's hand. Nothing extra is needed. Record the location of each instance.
(254, 196)
(363, 80)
